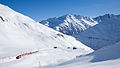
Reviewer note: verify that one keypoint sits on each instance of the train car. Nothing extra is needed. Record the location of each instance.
(25, 54)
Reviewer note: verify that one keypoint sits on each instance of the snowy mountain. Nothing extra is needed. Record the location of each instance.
(20, 34)
(93, 32)
(70, 24)
(106, 57)
(105, 33)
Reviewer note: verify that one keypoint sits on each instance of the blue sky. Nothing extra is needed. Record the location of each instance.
(43, 9)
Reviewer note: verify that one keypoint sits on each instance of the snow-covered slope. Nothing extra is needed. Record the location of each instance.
(20, 34)
(107, 32)
(106, 53)
(104, 30)
(70, 24)
(107, 57)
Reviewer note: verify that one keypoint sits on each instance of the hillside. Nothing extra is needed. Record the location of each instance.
(107, 57)
(93, 32)
(20, 34)
(105, 33)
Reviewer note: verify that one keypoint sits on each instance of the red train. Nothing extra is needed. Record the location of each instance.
(20, 56)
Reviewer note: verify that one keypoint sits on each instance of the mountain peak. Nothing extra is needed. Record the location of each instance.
(66, 16)
(108, 15)
(70, 23)
(70, 15)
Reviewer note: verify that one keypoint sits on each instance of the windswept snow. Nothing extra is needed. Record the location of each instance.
(20, 34)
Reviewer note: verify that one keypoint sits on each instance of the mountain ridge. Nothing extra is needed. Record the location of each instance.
(69, 24)
(106, 27)
(105, 33)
